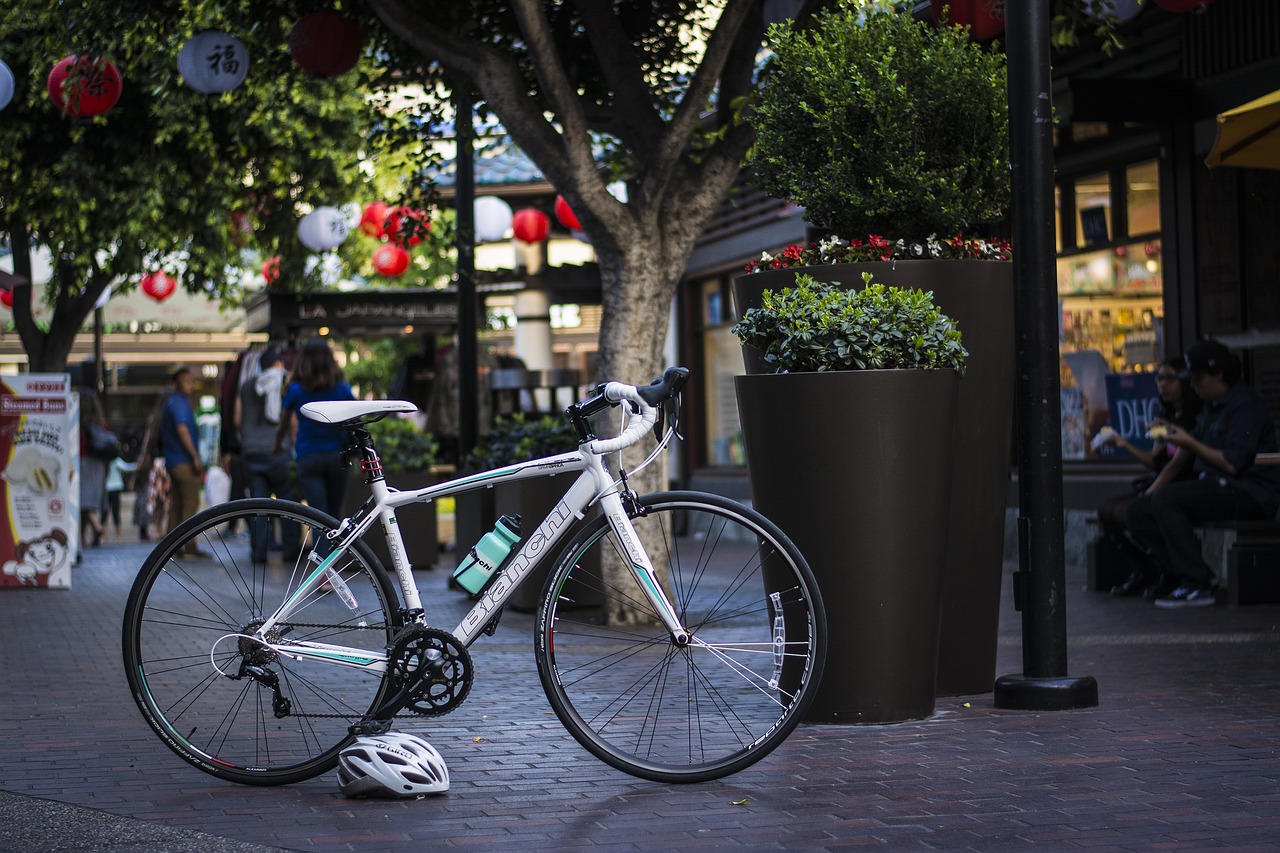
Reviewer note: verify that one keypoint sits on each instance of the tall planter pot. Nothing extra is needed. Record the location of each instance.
(417, 522)
(979, 296)
(473, 517)
(533, 501)
(855, 466)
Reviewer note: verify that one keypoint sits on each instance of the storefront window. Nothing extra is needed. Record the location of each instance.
(722, 360)
(1142, 198)
(1093, 211)
(1110, 292)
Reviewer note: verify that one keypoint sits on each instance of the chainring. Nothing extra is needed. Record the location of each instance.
(435, 665)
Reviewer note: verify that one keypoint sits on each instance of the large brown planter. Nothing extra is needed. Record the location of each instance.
(533, 500)
(473, 517)
(417, 522)
(979, 296)
(855, 466)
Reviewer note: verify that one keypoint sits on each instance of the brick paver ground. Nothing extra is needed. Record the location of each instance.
(1180, 754)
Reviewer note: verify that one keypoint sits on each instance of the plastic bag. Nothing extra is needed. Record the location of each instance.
(217, 486)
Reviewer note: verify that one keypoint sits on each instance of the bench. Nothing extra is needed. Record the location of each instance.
(1247, 559)
(1244, 554)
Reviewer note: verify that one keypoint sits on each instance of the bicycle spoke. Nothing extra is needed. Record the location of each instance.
(653, 708)
(248, 712)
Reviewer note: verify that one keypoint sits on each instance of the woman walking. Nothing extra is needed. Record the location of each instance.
(93, 469)
(317, 447)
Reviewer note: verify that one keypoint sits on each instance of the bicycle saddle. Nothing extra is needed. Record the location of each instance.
(347, 412)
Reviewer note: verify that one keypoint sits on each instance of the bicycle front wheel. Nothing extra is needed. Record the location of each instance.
(701, 711)
(233, 707)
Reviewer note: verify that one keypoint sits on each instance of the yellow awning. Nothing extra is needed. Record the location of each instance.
(1249, 135)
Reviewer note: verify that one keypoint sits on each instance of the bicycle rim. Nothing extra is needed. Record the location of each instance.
(187, 659)
(684, 714)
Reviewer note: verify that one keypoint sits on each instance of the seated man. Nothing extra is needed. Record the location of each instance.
(1233, 427)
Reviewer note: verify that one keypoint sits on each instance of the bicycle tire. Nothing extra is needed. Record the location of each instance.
(648, 707)
(183, 616)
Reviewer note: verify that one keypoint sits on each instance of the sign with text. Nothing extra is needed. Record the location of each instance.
(1132, 404)
(39, 485)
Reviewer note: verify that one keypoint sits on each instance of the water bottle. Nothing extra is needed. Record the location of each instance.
(480, 566)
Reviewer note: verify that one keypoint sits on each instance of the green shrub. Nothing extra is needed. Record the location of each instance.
(815, 326)
(402, 446)
(880, 124)
(519, 438)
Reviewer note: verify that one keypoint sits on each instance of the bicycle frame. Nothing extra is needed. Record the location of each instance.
(592, 484)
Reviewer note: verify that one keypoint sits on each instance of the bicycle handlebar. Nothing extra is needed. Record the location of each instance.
(646, 400)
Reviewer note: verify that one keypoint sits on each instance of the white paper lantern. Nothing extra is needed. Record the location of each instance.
(323, 228)
(493, 218)
(6, 85)
(212, 62)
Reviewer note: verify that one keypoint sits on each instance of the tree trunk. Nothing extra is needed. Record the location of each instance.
(48, 350)
(638, 287)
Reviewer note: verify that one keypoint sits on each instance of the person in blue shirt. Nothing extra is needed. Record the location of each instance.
(1227, 483)
(180, 445)
(317, 447)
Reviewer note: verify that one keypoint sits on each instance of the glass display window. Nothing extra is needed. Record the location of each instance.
(1111, 303)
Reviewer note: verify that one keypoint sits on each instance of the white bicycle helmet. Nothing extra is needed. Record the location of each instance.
(392, 765)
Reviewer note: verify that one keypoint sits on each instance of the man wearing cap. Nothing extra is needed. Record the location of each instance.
(1233, 427)
(257, 415)
(180, 444)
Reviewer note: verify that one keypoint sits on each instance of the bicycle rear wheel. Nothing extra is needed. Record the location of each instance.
(659, 711)
(207, 689)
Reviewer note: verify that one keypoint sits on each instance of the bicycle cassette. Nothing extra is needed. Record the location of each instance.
(432, 667)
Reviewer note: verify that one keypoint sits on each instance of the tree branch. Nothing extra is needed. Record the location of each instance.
(722, 42)
(492, 73)
(637, 121)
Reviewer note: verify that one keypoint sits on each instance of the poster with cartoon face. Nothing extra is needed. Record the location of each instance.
(39, 429)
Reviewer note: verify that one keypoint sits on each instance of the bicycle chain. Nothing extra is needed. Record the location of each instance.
(436, 696)
(435, 665)
(382, 627)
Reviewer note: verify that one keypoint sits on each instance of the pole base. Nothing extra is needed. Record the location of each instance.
(1020, 693)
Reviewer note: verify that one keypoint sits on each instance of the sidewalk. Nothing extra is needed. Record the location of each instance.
(1182, 752)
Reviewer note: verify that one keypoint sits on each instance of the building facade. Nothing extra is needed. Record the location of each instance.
(1155, 249)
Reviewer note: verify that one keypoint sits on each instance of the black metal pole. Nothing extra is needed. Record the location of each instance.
(1040, 583)
(99, 368)
(464, 200)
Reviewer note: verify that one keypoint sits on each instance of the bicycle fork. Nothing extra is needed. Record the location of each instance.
(642, 567)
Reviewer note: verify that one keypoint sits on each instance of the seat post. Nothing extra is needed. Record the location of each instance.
(361, 447)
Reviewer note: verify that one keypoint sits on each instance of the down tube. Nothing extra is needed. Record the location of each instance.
(536, 548)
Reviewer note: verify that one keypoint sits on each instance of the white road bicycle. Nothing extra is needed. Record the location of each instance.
(261, 673)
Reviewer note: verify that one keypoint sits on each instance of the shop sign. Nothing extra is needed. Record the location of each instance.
(39, 462)
(1132, 404)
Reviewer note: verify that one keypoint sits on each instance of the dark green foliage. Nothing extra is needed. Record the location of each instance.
(815, 327)
(518, 438)
(887, 126)
(402, 446)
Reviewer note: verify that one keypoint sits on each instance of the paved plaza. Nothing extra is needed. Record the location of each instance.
(1182, 753)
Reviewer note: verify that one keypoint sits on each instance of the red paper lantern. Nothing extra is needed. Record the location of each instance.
(390, 259)
(326, 43)
(406, 225)
(1183, 5)
(373, 221)
(531, 225)
(565, 214)
(159, 285)
(984, 18)
(95, 88)
(271, 269)
(6, 298)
